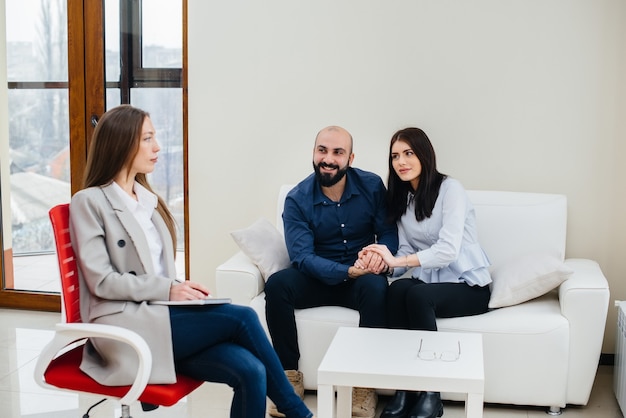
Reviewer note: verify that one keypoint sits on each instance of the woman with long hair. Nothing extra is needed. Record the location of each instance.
(124, 237)
(437, 234)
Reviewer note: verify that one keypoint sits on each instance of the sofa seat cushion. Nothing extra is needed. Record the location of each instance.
(538, 316)
(528, 341)
(522, 330)
(316, 329)
(333, 316)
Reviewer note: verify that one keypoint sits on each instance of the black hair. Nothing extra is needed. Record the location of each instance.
(429, 181)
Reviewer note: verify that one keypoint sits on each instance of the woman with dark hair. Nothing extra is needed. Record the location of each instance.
(437, 234)
(124, 237)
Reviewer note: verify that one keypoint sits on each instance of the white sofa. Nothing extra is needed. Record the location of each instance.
(542, 352)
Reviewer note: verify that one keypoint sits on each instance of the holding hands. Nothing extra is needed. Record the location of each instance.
(372, 259)
(367, 263)
(384, 259)
(380, 251)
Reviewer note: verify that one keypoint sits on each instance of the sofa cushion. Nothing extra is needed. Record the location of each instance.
(526, 348)
(525, 278)
(264, 245)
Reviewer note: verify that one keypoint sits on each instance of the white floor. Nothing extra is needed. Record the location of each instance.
(24, 333)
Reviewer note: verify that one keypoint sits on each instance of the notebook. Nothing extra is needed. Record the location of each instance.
(207, 301)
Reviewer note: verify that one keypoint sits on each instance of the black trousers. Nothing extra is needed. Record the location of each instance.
(290, 289)
(413, 304)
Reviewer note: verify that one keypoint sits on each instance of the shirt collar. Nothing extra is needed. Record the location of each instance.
(146, 198)
(319, 197)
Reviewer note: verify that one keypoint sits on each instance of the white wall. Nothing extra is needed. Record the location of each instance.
(515, 95)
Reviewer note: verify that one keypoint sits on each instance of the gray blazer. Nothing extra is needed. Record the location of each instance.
(116, 280)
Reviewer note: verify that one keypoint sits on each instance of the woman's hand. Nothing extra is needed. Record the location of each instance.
(370, 262)
(382, 252)
(188, 291)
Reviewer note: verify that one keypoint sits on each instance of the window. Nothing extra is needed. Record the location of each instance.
(38, 120)
(142, 64)
(144, 55)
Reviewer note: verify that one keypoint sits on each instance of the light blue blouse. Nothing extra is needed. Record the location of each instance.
(446, 244)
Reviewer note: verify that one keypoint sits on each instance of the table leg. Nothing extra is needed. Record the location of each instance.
(325, 401)
(474, 405)
(344, 402)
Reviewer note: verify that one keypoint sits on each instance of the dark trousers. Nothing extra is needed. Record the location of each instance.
(290, 289)
(413, 304)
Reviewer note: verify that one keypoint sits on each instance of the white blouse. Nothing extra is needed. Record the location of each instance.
(142, 209)
(446, 244)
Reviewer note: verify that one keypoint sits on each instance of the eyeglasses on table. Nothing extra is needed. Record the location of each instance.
(431, 355)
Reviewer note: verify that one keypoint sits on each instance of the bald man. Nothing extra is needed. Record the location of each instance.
(328, 218)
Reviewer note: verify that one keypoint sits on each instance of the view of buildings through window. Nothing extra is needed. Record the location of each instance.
(38, 119)
(38, 109)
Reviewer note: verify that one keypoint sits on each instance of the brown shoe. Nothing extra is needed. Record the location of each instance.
(295, 378)
(364, 402)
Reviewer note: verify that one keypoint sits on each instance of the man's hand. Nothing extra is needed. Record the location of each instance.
(355, 272)
(371, 261)
(381, 251)
(368, 262)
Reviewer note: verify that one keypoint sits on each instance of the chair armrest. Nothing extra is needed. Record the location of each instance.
(66, 334)
(584, 299)
(239, 278)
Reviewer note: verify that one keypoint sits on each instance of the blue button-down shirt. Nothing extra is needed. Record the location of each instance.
(324, 237)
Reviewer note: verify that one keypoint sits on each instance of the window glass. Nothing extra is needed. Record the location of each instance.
(161, 34)
(38, 119)
(112, 40)
(113, 98)
(38, 141)
(165, 108)
(36, 40)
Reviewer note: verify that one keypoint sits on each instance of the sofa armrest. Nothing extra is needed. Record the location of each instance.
(584, 299)
(239, 278)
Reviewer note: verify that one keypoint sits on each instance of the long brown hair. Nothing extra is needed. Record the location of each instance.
(113, 147)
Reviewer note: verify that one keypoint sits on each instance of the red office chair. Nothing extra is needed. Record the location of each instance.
(58, 364)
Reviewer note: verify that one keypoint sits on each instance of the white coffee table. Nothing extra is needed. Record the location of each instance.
(387, 359)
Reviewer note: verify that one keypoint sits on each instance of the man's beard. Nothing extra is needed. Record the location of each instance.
(326, 179)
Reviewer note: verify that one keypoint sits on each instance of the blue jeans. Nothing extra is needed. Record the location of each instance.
(227, 344)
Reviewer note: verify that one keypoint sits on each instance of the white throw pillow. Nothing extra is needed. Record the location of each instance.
(264, 245)
(526, 278)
